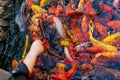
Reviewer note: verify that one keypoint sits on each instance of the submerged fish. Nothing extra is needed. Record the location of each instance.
(84, 24)
(110, 54)
(101, 29)
(81, 5)
(111, 38)
(115, 24)
(89, 9)
(30, 2)
(37, 9)
(100, 44)
(44, 2)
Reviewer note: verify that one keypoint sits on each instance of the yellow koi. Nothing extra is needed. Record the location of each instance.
(97, 43)
(82, 2)
(111, 38)
(70, 35)
(25, 48)
(44, 2)
(81, 5)
(110, 54)
(65, 43)
(37, 9)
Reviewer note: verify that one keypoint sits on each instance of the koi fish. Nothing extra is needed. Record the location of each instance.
(84, 24)
(106, 7)
(59, 27)
(111, 54)
(34, 20)
(114, 24)
(44, 2)
(71, 11)
(66, 75)
(101, 29)
(75, 29)
(86, 67)
(81, 5)
(15, 64)
(89, 9)
(111, 38)
(67, 54)
(37, 9)
(60, 67)
(59, 10)
(94, 49)
(70, 35)
(100, 44)
(65, 43)
(33, 32)
(52, 10)
(30, 2)
(116, 3)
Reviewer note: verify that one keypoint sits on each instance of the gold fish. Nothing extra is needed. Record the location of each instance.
(70, 35)
(34, 20)
(82, 2)
(65, 43)
(25, 48)
(97, 43)
(81, 5)
(37, 9)
(111, 38)
(15, 64)
(84, 24)
(110, 54)
(44, 2)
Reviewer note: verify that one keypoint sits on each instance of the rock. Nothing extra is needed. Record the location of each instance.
(4, 2)
(4, 75)
(3, 34)
(6, 15)
(1, 10)
(3, 23)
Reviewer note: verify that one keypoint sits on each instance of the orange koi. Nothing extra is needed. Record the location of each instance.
(33, 30)
(71, 11)
(101, 29)
(30, 2)
(114, 24)
(94, 49)
(75, 29)
(58, 10)
(52, 9)
(84, 24)
(66, 75)
(15, 64)
(89, 9)
(106, 7)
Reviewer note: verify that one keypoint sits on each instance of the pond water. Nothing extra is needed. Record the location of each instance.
(109, 69)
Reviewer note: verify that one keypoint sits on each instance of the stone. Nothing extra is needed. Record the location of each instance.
(4, 2)
(1, 10)
(4, 75)
(3, 34)
(3, 23)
